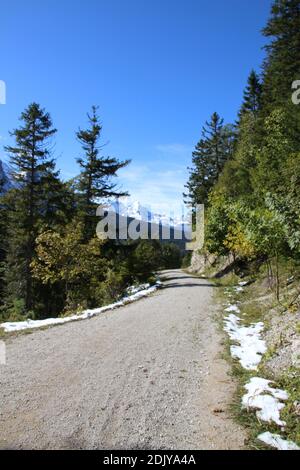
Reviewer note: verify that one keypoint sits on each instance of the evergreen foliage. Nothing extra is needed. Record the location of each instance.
(51, 261)
(209, 157)
(31, 200)
(253, 205)
(95, 181)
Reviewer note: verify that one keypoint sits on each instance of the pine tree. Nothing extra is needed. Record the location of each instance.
(32, 167)
(95, 180)
(252, 96)
(58, 201)
(3, 235)
(208, 158)
(235, 180)
(273, 156)
(282, 64)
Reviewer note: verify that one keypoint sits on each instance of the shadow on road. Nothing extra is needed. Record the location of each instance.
(188, 284)
(167, 278)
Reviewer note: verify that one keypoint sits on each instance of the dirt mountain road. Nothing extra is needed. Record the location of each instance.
(145, 376)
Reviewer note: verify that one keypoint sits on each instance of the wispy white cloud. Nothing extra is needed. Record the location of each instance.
(158, 189)
(133, 172)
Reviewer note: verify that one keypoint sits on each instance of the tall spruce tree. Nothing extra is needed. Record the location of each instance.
(208, 158)
(3, 237)
(32, 167)
(95, 181)
(235, 180)
(58, 201)
(282, 64)
(252, 96)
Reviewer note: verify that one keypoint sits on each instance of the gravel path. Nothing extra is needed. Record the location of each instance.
(145, 376)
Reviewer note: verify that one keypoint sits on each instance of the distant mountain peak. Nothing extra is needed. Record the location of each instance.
(5, 177)
(134, 209)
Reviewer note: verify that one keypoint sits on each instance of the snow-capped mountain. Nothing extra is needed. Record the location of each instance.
(5, 178)
(136, 210)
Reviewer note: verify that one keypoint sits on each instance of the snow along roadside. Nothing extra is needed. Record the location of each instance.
(135, 293)
(250, 345)
(274, 440)
(260, 396)
(266, 400)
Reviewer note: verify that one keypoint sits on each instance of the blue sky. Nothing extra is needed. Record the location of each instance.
(156, 68)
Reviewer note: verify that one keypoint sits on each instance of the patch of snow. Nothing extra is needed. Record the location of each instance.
(260, 396)
(232, 308)
(265, 399)
(276, 441)
(134, 294)
(134, 289)
(250, 345)
(238, 289)
(240, 286)
(290, 280)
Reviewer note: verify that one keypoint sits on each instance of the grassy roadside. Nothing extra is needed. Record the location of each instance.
(257, 303)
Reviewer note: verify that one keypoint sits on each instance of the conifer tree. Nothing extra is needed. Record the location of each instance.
(3, 236)
(209, 157)
(32, 166)
(282, 64)
(95, 181)
(235, 180)
(252, 95)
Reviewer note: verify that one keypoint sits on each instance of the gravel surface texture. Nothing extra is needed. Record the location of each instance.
(148, 375)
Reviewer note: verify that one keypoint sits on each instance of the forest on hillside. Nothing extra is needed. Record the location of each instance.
(51, 260)
(248, 173)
